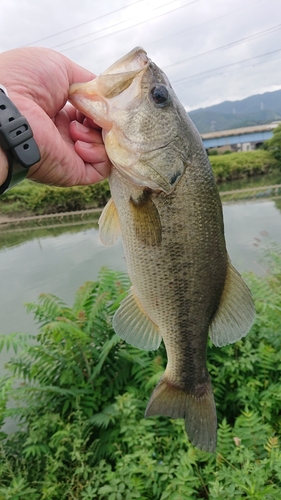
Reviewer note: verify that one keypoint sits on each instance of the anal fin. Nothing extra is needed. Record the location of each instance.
(236, 312)
(132, 324)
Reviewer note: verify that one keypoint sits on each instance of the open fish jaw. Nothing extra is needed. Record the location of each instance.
(166, 205)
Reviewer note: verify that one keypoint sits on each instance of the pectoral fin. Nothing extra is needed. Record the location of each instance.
(236, 312)
(147, 224)
(109, 227)
(132, 324)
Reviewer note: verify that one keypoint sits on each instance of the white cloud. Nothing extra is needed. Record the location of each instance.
(95, 34)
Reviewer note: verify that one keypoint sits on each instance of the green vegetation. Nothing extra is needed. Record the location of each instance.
(213, 152)
(81, 399)
(239, 165)
(273, 146)
(33, 198)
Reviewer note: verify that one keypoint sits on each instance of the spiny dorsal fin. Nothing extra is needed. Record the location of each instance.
(132, 324)
(109, 227)
(236, 312)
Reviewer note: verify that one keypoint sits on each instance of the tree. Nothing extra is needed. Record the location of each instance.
(273, 145)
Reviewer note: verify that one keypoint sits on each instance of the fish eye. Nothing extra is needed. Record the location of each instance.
(160, 95)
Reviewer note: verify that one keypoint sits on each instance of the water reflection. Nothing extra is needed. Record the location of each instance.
(278, 204)
(247, 222)
(51, 264)
(59, 259)
(25, 230)
(251, 182)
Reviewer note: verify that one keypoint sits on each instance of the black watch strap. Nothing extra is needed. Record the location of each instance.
(16, 139)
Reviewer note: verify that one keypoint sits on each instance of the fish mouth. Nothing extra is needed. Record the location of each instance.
(108, 95)
(91, 98)
(135, 60)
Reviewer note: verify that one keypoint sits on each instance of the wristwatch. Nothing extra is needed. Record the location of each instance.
(16, 139)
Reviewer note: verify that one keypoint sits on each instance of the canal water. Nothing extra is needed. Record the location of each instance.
(62, 255)
(58, 254)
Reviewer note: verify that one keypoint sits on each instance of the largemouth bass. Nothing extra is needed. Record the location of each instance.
(166, 205)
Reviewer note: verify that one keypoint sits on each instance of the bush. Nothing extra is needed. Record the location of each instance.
(239, 165)
(273, 145)
(32, 198)
(80, 404)
(42, 199)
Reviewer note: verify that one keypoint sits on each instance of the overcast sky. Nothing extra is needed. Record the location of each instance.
(211, 50)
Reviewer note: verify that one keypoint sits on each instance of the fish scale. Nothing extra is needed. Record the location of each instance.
(166, 205)
(183, 319)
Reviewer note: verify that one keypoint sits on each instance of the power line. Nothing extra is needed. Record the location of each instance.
(231, 44)
(163, 38)
(123, 8)
(237, 69)
(182, 80)
(203, 73)
(202, 24)
(122, 29)
(82, 24)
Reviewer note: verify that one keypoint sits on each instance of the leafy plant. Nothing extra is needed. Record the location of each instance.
(32, 198)
(273, 145)
(242, 164)
(37, 198)
(79, 395)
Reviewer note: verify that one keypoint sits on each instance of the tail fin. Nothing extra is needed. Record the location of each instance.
(198, 410)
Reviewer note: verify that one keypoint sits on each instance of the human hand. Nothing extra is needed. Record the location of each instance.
(71, 146)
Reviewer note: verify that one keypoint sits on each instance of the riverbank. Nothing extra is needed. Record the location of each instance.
(29, 198)
(233, 166)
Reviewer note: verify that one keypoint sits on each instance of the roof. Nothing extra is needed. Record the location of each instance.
(240, 131)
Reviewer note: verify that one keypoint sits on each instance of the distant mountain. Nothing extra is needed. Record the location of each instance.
(254, 110)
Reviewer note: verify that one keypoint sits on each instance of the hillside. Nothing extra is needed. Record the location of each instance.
(254, 110)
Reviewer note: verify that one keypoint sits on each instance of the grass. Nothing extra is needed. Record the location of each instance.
(242, 165)
(31, 198)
